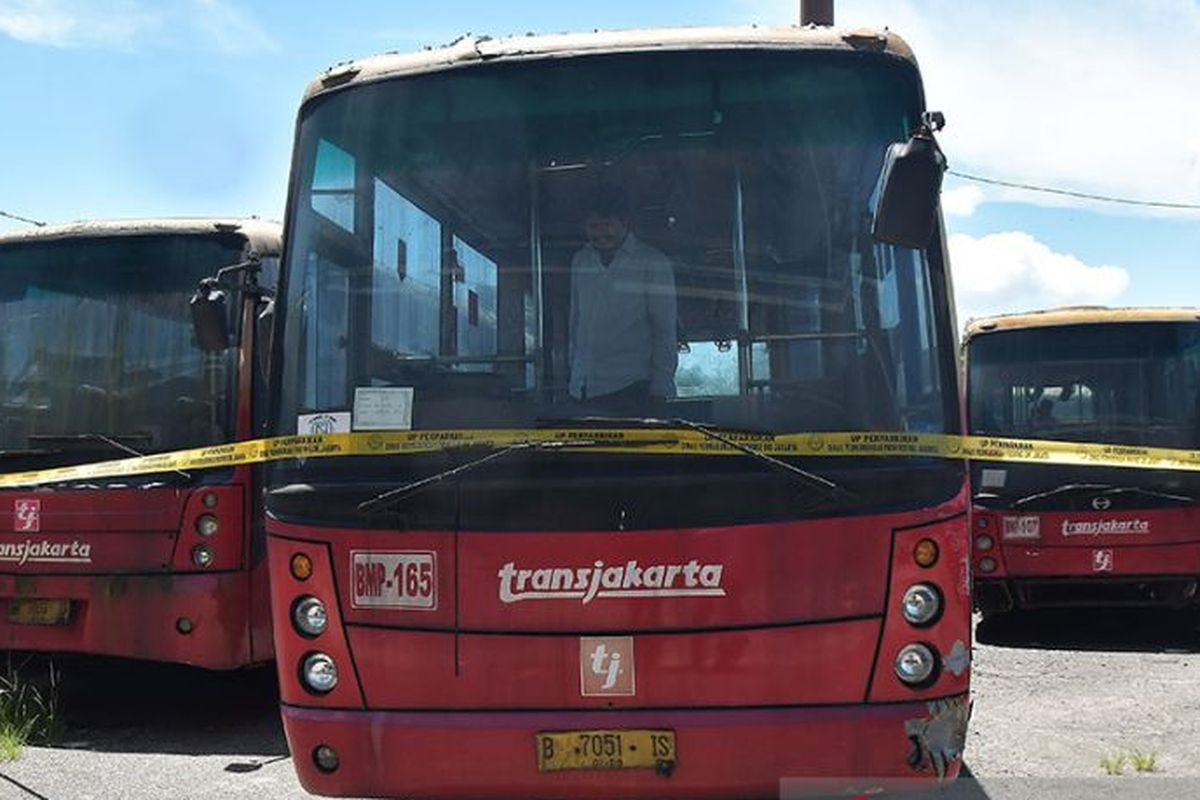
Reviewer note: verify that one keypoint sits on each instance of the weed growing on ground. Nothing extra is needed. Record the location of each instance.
(1144, 762)
(1114, 764)
(29, 712)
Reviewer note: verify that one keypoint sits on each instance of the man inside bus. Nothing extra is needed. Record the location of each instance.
(622, 344)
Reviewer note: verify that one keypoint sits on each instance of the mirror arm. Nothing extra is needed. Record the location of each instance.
(251, 267)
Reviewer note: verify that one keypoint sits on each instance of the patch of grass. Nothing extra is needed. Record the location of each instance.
(1114, 764)
(1144, 762)
(29, 711)
(10, 746)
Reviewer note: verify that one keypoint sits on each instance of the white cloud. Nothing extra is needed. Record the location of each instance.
(1093, 96)
(961, 201)
(231, 29)
(1013, 271)
(126, 24)
(73, 23)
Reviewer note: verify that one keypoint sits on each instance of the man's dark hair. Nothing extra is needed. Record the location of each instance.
(608, 200)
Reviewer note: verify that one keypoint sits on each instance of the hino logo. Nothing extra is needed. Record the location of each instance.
(1101, 503)
(630, 579)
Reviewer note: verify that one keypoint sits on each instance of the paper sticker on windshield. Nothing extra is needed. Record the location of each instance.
(383, 408)
(401, 579)
(323, 422)
(1022, 527)
(993, 478)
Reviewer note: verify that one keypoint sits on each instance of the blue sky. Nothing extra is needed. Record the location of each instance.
(139, 107)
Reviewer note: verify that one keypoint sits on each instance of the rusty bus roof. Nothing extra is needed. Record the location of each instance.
(1076, 315)
(474, 50)
(263, 236)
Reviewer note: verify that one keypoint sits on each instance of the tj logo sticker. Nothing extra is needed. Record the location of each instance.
(606, 666)
(1102, 561)
(27, 516)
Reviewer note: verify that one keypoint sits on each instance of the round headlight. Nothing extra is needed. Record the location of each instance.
(209, 499)
(319, 673)
(202, 555)
(915, 663)
(987, 564)
(309, 616)
(983, 542)
(207, 525)
(921, 604)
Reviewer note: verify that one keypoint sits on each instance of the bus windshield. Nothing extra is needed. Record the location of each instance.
(97, 352)
(448, 239)
(1132, 383)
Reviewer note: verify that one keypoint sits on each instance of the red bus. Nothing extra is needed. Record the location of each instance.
(1051, 535)
(567, 582)
(98, 361)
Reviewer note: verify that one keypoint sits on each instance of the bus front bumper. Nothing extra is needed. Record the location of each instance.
(196, 619)
(721, 753)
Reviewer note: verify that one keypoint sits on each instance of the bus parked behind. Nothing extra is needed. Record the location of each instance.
(98, 361)
(1051, 535)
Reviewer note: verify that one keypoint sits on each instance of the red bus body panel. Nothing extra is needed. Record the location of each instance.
(122, 557)
(1079, 548)
(775, 660)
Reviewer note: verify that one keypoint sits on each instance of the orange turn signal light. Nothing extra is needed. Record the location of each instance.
(925, 553)
(302, 567)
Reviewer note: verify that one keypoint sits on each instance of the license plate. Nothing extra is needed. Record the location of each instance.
(39, 612)
(606, 749)
(393, 579)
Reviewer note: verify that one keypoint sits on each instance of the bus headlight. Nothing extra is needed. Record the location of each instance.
(987, 564)
(983, 542)
(921, 604)
(319, 673)
(309, 616)
(207, 525)
(202, 555)
(915, 663)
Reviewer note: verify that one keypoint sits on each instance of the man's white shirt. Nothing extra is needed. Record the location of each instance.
(622, 326)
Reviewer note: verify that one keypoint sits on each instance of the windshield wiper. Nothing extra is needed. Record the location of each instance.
(827, 487)
(68, 439)
(32, 452)
(393, 496)
(1101, 488)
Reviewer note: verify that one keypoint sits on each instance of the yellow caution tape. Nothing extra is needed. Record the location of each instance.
(611, 440)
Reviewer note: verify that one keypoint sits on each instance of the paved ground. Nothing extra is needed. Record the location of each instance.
(1053, 696)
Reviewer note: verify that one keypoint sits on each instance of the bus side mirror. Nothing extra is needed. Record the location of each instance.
(910, 182)
(210, 317)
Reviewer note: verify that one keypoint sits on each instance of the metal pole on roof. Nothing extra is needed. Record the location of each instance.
(816, 12)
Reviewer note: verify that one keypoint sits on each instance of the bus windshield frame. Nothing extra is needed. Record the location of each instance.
(431, 253)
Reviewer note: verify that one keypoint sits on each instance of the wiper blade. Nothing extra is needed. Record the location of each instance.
(113, 442)
(827, 487)
(68, 439)
(393, 496)
(1100, 488)
(28, 453)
